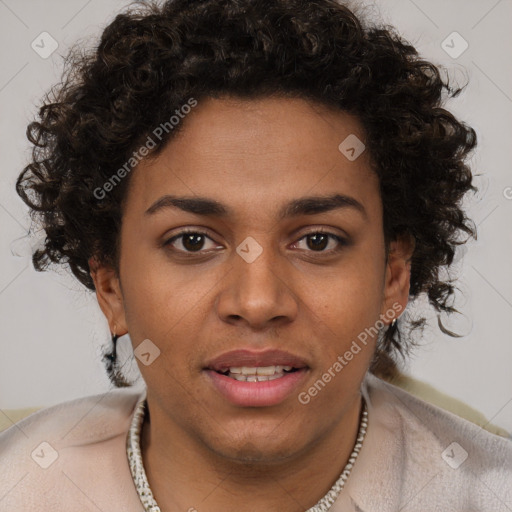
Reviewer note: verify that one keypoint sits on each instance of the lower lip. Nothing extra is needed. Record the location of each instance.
(257, 394)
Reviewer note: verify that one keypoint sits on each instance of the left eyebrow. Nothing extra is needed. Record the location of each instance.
(320, 204)
(311, 205)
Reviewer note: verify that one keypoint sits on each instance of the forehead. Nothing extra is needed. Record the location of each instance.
(271, 149)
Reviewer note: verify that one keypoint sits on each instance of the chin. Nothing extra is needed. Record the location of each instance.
(256, 449)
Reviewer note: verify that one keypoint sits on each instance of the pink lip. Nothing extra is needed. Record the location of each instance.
(257, 394)
(252, 358)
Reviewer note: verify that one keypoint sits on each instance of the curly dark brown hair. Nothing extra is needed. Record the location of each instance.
(154, 57)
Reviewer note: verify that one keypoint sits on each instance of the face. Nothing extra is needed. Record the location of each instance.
(252, 243)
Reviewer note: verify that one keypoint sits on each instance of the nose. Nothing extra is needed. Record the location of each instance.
(258, 293)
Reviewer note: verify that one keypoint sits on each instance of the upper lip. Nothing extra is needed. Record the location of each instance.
(251, 358)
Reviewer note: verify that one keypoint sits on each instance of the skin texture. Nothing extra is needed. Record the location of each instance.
(253, 156)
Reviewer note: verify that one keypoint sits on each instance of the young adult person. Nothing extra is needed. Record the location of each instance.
(254, 190)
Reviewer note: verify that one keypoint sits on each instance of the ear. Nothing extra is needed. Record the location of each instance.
(109, 295)
(398, 275)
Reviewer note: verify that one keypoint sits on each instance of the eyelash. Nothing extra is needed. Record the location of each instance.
(341, 241)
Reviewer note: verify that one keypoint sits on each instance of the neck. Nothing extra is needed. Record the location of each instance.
(184, 474)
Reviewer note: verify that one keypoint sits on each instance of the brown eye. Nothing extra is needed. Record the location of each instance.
(188, 241)
(318, 241)
(193, 241)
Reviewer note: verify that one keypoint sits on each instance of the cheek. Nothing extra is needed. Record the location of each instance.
(347, 323)
(158, 303)
(350, 302)
(169, 306)
(151, 295)
(162, 310)
(349, 330)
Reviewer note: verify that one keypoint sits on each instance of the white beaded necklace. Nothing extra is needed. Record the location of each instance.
(146, 496)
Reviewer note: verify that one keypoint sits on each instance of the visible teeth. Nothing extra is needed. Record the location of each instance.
(255, 378)
(268, 370)
(253, 370)
(256, 374)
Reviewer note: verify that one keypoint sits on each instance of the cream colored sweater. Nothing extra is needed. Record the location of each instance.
(416, 458)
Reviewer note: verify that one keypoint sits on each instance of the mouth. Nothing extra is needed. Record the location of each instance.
(256, 379)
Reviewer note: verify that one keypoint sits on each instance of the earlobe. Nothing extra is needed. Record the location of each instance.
(398, 275)
(109, 295)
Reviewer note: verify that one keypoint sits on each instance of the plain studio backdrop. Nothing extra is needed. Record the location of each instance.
(52, 331)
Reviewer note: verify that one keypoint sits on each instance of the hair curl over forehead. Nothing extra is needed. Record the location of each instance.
(154, 57)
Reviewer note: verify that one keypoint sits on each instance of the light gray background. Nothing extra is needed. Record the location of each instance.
(51, 329)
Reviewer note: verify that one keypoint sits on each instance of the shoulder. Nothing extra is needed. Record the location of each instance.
(417, 415)
(75, 449)
(434, 396)
(460, 463)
